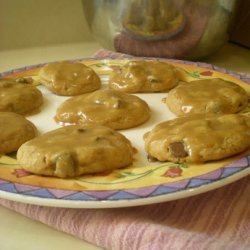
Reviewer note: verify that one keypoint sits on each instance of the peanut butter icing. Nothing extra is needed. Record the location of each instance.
(107, 107)
(76, 150)
(207, 96)
(198, 138)
(15, 130)
(69, 78)
(144, 76)
(20, 98)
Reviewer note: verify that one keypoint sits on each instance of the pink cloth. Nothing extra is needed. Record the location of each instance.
(219, 219)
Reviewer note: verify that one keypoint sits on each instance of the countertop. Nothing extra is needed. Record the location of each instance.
(19, 232)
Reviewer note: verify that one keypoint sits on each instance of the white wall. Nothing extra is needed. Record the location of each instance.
(32, 23)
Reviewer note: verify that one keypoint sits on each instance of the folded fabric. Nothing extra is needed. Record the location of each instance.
(219, 219)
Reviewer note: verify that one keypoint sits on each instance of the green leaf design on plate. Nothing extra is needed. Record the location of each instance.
(246, 110)
(99, 65)
(8, 160)
(128, 176)
(195, 74)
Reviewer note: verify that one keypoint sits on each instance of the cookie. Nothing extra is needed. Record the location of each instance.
(144, 76)
(212, 96)
(69, 78)
(110, 108)
(76, 150)
(15, 130)
(20, 98)
(198, 138)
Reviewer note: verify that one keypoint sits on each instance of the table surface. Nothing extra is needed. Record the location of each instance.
(18, 232)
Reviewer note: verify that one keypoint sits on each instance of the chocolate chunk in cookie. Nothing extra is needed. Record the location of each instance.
(177, 149)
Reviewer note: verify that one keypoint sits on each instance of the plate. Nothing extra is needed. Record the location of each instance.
(140, 184)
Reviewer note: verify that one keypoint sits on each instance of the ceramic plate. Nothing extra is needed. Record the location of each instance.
(140, 184)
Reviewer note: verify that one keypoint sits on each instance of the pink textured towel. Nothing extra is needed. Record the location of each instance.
(219, 219)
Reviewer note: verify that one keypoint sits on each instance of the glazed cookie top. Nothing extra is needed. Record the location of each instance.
(207, 96)
(20, 98)
(69, 78)
(198, 138)
(75, 150)
(110, 108)
(144, 76)
(15, 130)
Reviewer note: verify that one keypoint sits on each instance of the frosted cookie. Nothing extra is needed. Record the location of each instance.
(214, 96)
(76, 150)
(110, 108)
(198, 138)
(20, 98)
(15, 130)
(144, 76)
(69, 78)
